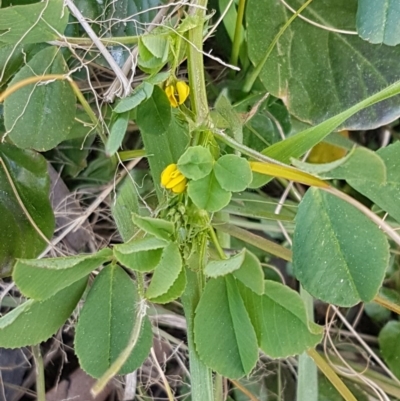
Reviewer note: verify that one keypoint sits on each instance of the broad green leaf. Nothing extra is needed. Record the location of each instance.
(339, 255)
(374, 174)
(384, 192)
(140, 254)
(125, 204)
(217, 268)
(389, 338)
(160, 228)
(223, 333)
(141, 93)
(207, 193)
(300, 143)
(40, 116)
(154, 115)
(377, 21)
(233, 173)
(227, 112)
(166, 272)
(153, 52)
(251, 273)
(165, 148)
(106, 322)
(174, 292)
(280, 320)
(33, 23)
(196, 162)
(12, 58)
(313, 70)
(143, 261)
(36, 321)
(42, 278)
(27, 171)
(117, 133)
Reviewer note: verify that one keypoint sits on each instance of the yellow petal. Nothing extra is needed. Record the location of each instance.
(166, 174)
(175, 181)
(183, 91)
(170, 92)
(178, 189)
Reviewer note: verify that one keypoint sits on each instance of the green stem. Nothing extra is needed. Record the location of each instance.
(307, 382)
(200, 374)
(256, 72)
(331, 375)
(197, 83)
(238, 33)
(40, 385)
(216, 243)
(114, 41)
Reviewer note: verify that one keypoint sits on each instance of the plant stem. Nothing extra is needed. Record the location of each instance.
(200, 374)
(197, 83)
(40, 386)
(331, 375)
(238, 33)
(307, 382)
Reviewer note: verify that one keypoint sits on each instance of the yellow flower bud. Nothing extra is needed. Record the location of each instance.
(183, 91)
(173, 179)
(170, 92)
(178, 93)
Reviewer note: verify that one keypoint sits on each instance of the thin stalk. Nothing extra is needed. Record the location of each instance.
(387, 304)
(218, 388)
(200, 375)
(114, 41)
(238, 33)
(331, 375)
(39, 365)
(307, 383)
(216, 243)
(197, 83)
(256, 72)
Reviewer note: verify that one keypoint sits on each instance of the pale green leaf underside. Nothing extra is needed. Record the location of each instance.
(339, 255)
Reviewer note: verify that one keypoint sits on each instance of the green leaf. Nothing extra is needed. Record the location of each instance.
(217, 268)
(153, 52)
(313, 70)
(196, 162)
(233, 173)
(174, 292)
(36, 321)
(166, 272)
(33, 23)
(141, 93)
(339, 255)
(154, 115)
(40, 116)
(160, 228)
(224, 336)
(207, 194)
(106, 322)
(251, 273)
(290, 333)
(389, 338)
(377, 21)
(18, 237)
(117, 133)
(125, 204)
(165, 148)
(140, 254)
(227, 112)
(42, 278)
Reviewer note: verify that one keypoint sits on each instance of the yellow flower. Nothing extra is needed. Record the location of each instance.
(178, 93)
(173, 179)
